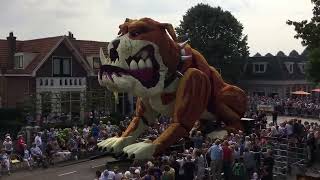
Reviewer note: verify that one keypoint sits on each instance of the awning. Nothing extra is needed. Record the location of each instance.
(300, 93)
(316, 90)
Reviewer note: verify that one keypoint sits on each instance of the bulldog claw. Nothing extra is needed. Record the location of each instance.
(115, 144)
(132, 156)
(140, 151)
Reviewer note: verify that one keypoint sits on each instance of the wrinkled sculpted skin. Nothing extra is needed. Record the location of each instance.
(169, 78)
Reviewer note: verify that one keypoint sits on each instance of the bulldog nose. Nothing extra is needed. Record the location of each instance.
(115, 43)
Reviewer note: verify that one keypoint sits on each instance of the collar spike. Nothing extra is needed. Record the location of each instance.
(182, 45)
(183, 58)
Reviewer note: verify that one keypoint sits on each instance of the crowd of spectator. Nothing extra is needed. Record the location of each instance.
(303, 106)
(235, 156)
(53, 145)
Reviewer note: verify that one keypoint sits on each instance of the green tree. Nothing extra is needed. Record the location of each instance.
(309, 32)
(218, 35)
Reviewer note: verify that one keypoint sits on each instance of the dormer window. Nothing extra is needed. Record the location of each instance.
(289, 66)
(259, 67)
(302, 67)
(18, 62)
(61, 66)
(96, 63)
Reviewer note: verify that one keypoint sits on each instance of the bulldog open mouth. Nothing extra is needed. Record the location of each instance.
(142, 66)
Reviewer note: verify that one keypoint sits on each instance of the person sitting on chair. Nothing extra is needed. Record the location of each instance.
(27, 157)
(4, 161)
(37, 154)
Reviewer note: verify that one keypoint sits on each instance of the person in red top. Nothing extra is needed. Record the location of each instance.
(227, 160)
(20, 145)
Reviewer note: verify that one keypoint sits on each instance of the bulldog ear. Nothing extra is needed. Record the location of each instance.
(123, 27)
(128, 20)
(170, 30)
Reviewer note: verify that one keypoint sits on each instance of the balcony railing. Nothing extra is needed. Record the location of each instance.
(61, 82)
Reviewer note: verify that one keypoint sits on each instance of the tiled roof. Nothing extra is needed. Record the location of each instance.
(87, 48)
(42, 47)
(3, 53)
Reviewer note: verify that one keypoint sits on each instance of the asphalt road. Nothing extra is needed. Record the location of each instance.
(80, 171)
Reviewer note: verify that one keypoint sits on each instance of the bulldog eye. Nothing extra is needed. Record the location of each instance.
(134, 34)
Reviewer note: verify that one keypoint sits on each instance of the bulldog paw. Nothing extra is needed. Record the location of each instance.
(140, 151)
(115, 144)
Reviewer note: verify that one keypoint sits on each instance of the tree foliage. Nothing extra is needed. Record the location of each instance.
(218, 35)
(309, 32)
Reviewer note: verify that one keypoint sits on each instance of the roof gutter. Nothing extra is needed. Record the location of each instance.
(16, 75)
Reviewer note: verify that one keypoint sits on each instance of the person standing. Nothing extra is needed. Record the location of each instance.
(38, 140)
(20, 145)
(200, 165)
(215, 152)
(7, 144)
(239, 170)
(168, 173)
(267, 168)
(197, 140)
(189, 168)
(249, 161)
(227, 160)
(275, 117)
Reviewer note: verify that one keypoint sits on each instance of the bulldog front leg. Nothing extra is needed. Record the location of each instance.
(138, 125)
(191, 100)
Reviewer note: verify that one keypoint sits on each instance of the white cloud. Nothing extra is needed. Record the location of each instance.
(263, 20)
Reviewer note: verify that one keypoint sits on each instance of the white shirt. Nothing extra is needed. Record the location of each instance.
(38, 141)
(118, 176)
(7, 145)
(289, 129)
(85, 132)
(36, 151)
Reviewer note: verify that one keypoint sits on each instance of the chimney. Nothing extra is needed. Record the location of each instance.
(70, 35)
(11, 39)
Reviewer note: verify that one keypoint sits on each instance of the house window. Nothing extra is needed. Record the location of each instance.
(96, 63)
(289, 66)
(259, 68)
(302, 67)
(18, 62)
(61, 66)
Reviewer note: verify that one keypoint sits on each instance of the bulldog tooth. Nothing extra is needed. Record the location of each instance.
(148, 63)
(123, 65)
(117, 63)
(108, 61)
(103, 58)
(141, 64)
(133, 65)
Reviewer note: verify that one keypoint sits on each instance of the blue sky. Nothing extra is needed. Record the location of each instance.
(263, 20)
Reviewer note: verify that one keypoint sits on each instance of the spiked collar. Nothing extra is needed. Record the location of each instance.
(185, 54)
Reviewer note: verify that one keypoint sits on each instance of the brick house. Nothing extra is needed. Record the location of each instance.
(278, 74)
(60, 65)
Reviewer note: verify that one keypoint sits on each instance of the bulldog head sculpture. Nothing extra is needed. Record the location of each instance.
(139, 58)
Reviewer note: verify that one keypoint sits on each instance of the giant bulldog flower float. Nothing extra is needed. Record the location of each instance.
(169, 78)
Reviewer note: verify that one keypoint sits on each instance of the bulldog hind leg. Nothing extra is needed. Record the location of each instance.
(231, 106)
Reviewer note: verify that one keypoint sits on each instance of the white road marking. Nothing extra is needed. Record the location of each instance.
(97, 166)
(67, 173)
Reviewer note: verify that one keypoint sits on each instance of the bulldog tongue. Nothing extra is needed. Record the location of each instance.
(143, 75)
